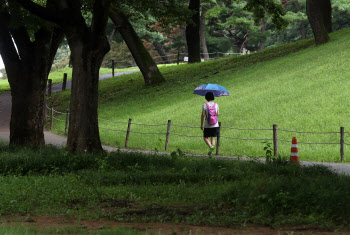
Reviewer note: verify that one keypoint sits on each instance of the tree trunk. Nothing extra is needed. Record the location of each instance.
(88, 44)
(263, 25)
(83, 132)
(326, 12)
(183, 36)
(27, 119)
(303, 31)
(245, 42)
(192, 33)
(27, 75)
(160, 49)
(202, 34)
(148, 67)
(316, 20)
(112, 35)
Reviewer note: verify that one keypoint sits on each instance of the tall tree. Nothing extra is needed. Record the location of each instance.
(192, 33)
(141, 56)
(28, 47)
(202, 32)
(89, 44)
(319, 15)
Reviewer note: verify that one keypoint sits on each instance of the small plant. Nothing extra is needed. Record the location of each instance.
(177, 153)
(156, 149)
(268, 151)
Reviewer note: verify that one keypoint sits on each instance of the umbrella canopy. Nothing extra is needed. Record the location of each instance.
(216, 89)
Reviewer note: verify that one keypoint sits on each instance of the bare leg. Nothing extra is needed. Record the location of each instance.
(206, 140)
(212, 141)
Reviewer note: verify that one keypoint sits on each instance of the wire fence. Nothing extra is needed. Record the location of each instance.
(169, 131)
(115, 64)
(169, 59)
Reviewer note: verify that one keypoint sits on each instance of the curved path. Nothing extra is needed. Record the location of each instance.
(56, 140)
(50, 138)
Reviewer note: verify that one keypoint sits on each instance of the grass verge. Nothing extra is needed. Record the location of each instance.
(133, 187)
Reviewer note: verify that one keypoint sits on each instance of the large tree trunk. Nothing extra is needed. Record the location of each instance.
(27, 65)
(160, 49)
(148, 67)
(202, 33)
(27, 119)
(316, 20)
(88, 44)
(83, 132)
(326, 12)
(192, 33)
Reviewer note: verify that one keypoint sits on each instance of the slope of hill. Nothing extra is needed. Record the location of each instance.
(299, 87)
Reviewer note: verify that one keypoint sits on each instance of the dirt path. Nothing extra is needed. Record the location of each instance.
(46, 222)
(5, 112)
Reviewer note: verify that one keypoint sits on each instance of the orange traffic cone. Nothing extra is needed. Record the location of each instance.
(294, 157)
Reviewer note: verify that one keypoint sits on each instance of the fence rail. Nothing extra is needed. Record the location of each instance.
(168, 133)
(165, 59)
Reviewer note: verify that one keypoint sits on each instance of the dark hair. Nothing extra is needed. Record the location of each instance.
(209, 96)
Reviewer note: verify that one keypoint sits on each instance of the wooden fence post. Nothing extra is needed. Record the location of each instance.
(341, 143)
(218, 140)
(275, 140)
(64, 84)
(113, 68)
(50, 87)
(217, 54)
(167, 135)
(178, 57)
(127, 133)
(67, 121)
(51, 121)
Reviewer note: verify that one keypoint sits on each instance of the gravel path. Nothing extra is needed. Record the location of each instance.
(59, 141)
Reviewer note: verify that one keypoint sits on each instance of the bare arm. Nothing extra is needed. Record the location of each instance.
(202, 118)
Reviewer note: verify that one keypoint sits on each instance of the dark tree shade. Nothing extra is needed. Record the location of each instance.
(27, 64)
(317, 13)
(192, 33)
(89, 45)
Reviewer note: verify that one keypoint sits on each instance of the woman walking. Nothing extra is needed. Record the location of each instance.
(210, 112)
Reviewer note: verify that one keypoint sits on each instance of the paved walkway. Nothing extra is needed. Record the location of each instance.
(59, 141)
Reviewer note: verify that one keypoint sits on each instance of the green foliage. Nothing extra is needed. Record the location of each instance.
(234, 21)
(271, 7)
(120, 53)
(170, 189)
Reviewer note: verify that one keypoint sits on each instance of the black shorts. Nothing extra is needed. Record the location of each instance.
(210, 132)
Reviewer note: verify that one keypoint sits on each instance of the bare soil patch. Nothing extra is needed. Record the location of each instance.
(46, 222)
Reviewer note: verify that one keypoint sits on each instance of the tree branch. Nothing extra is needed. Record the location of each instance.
(100, 16)
(43, 12)
(7, 48)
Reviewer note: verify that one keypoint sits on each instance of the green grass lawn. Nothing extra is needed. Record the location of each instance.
(57, 76)
(297, 86)
(133, 187)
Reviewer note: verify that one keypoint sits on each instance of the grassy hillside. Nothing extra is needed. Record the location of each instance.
(299, 87)
(57, 76)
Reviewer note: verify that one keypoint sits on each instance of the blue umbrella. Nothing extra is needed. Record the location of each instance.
(216, 89)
